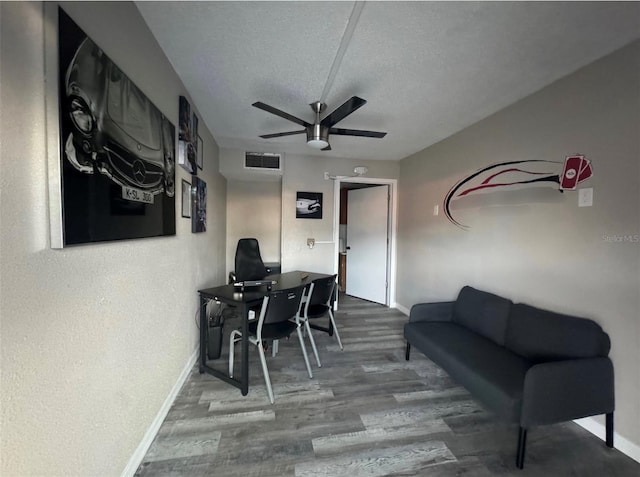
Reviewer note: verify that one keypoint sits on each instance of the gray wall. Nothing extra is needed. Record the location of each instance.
(93, 338)
(306, 174)
(538, 246)
(254, 209)
(252, 197)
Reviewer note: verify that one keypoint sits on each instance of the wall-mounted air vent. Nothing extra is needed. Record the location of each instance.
(264, 161)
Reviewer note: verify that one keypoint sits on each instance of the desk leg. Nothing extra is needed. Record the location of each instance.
(203, 334)
(244, 389)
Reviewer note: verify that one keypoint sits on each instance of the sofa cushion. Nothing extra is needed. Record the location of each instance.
(482, 312)
(491, 373)
(541, 335)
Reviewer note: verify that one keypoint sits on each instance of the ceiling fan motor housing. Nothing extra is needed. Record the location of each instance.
(318, 136)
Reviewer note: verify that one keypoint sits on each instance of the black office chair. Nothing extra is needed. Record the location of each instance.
(319, 303)
(277, 320)
(248, 262)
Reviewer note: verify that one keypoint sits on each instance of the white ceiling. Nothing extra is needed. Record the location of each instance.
(427, 69)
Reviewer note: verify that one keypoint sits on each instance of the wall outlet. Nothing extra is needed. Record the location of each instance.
(585, 197)
(311, 242)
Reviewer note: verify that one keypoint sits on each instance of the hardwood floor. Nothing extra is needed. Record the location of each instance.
(366, 412)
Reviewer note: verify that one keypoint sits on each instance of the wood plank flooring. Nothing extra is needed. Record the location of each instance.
(366, 412)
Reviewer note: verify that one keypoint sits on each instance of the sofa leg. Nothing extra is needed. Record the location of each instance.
(407, 352)
(609, 427)
(522, 442)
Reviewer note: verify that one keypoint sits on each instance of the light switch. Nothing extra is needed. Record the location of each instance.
(585, 197)
(436, 209)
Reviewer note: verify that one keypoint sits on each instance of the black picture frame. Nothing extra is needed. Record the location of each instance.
(200, 153)
(308, 205)
(186, 140)
(199, 205)
(186, 199)
(116, 182)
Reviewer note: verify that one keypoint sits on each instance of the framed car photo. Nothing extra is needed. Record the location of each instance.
(309, 205)
(188, 132)
(186, 199)
(198, 205)
(116, 149)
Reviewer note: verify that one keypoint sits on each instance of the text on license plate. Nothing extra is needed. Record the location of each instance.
(137, 195)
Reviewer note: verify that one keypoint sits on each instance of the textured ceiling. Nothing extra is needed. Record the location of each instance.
(427, 69)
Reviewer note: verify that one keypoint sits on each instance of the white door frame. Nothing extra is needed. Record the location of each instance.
(393, 209)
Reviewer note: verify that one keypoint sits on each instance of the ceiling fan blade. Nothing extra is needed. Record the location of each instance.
(356, 132)
(288, 133)
(348, 107)
(282, 114)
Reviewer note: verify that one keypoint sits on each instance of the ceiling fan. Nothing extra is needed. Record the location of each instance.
(318, 132)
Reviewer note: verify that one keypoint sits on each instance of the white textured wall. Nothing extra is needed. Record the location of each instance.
(254, 209)
(93, 337)
(306, 174)
(539, 247)
(250, 207)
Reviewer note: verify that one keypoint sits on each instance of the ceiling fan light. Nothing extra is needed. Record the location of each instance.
(318, 143)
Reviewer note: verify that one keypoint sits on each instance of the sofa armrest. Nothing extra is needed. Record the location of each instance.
(564, 390)
(439, 311)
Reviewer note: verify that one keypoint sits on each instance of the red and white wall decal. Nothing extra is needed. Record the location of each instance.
(518, 175)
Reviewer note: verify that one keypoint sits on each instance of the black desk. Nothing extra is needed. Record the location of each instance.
(243, 300)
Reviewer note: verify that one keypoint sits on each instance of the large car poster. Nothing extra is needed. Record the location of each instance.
(118, 149)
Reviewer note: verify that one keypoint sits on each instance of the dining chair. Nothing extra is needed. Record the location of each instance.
(277, 320)
(318, 303)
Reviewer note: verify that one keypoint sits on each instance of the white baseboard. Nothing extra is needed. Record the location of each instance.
(620, 443)
(402, 309)
(143, 447)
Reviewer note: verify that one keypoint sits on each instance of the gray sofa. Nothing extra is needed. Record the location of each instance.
(528, 365)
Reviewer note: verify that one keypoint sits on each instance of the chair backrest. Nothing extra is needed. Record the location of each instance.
(280, 305)
(322, 291)
(249, 264)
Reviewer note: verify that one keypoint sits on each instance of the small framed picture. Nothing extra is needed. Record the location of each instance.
(186, 152)
(186, 199)
(200, 153)
(194, 128)
(199, 205)
(309, 205)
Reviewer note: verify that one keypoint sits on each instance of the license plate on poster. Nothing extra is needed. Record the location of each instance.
(136, 195)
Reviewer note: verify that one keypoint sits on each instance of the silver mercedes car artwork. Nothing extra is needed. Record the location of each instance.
(119, 146)
(117, 132)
